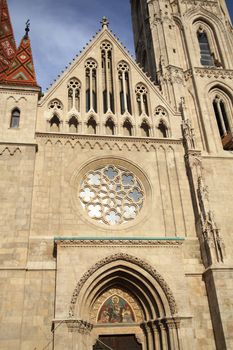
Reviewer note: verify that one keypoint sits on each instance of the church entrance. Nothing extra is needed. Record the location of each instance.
(117, 342)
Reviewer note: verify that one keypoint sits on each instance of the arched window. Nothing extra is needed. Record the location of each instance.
(91, 85)
(163, 130)
(110, 127)
(145, 129)
(15, 118)
(91, 126)
(142, 99)
(127, 128)
(222, 115)
(55, 124)
(125, 99)
(205, 52)
(107, 76)
(74, 87)
(73, 125)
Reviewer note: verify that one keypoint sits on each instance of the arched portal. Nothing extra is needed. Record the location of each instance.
(123, 296)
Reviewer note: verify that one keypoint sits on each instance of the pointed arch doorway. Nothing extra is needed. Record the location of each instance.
(117, 342)
(127, 301)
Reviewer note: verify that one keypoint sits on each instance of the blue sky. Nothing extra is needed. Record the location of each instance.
(61, 28)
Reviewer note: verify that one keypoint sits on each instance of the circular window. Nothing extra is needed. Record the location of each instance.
(111, 195)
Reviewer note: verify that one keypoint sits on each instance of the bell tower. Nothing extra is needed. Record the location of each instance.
(186, 47)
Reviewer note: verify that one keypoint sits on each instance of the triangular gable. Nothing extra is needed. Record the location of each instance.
(104, 34)
(7, 41)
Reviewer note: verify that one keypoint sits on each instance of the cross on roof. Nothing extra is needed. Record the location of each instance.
(104, 22)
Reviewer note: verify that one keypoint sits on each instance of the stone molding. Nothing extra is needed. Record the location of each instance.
(9, 151)
(74, 325)
(174, 243)
(128, 258)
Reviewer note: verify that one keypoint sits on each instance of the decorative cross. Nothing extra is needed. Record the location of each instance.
(27, 29)
(104, 22)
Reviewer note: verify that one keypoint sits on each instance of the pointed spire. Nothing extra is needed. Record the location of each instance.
(7, 40)
(21, 71)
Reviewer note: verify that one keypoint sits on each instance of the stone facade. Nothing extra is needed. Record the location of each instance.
(116, 191)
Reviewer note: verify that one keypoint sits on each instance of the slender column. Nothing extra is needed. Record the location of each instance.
(156, 336)
(107, 80)
(91, 88)
(124, 92)
(221, 118)
(73, 98)
(142, 104)
(149, 336)
(163, 336)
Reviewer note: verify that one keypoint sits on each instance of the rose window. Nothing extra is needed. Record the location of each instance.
(111, 195)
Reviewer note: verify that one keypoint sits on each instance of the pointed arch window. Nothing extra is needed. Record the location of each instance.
(222, 117)
(91, 126)
(125, 98)
(163, 129)
(73, 124)
(127, 128)
(15, 118)
(142, 99)
(110, 127)
(55, 124)
(107, 77)
(205, 52)
(91, 85)
(74, 87)
(145, 129)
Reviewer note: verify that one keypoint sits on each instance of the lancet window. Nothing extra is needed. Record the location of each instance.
(145, 129)
(163, 129)
(55, 124)
(74, 87)
(107, 77)
(91, 85)
(142, 99)
(205, 52)
(127, 128)
(73, 124)
(125, 99)
(221, 110)
(110, 127)
(15, 118)
(91, 126)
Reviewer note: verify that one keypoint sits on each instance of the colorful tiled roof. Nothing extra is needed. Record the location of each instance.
(7, 40)
(21, 70)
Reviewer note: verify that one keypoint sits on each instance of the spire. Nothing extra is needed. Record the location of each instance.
(7, 40)
(21, 71)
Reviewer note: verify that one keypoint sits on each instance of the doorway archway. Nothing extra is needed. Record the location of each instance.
(123, 296)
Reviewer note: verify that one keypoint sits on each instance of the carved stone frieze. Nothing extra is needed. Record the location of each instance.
(105, 143)
(214, 73)
(120, 242)
(128, 258)
(209, 5)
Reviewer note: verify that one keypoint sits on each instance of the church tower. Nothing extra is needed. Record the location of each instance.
(116, 187)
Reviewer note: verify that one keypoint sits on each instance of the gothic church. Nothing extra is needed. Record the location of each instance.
(116, 187)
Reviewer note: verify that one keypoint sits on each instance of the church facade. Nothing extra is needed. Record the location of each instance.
(116, 187)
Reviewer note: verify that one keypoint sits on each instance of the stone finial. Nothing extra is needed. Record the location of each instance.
(104, 22)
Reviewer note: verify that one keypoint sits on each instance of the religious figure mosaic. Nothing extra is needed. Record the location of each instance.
(116, 306)
(116, 310)
(111, 195)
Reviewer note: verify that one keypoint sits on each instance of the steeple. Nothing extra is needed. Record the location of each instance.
(21, 71)
(7, 40)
